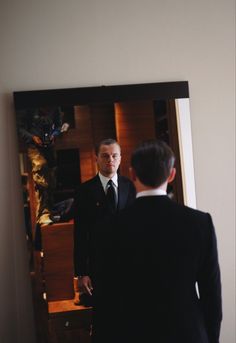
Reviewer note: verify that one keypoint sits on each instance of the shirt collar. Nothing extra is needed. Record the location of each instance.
(151, 192)
(104, 180)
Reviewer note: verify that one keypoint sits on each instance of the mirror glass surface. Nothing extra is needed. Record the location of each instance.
(83, 117)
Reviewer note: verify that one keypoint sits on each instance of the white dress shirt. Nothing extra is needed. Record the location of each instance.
(151, 192)
(105, 180)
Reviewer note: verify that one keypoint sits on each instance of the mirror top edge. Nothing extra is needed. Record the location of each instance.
(111, 93)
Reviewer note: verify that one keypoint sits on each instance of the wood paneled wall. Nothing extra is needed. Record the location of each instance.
(128, 122)
(81, 137)
(103, 122)
(134, 123)
(85, 143)
(92, 124)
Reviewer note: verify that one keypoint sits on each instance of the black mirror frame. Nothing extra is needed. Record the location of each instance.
(85, 95)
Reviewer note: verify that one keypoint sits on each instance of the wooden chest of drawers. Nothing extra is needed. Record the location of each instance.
(60, 320)
(57, 261)
(68, 323)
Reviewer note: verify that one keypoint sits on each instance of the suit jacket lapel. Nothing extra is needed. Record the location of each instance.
(98, 192)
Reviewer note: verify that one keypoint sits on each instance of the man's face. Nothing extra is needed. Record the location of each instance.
(108, 159)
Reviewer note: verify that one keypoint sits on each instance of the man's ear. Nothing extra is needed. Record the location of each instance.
(172, 175)
(132, 174)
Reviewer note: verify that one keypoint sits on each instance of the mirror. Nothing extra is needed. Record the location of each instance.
(83, 117)
(128, 113)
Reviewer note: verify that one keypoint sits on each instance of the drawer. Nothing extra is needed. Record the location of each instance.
(71, 320)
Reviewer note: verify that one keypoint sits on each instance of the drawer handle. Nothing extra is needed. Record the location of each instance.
(67, 323)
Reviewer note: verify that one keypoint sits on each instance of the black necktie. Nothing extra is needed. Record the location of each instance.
(111, 195)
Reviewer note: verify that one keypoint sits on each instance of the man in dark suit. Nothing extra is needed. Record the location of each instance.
(160, 252)
(97, 200)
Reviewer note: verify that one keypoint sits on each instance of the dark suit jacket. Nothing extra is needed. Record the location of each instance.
(161, 249)
(92, 212)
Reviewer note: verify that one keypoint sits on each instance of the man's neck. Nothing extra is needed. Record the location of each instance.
(110, 176)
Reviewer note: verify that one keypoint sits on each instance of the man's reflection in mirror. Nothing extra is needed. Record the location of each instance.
(97, 200)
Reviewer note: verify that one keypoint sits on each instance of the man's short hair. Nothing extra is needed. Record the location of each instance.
(152, 162)
(107, 141)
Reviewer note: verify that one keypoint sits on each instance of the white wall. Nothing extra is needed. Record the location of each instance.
(55, 43)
